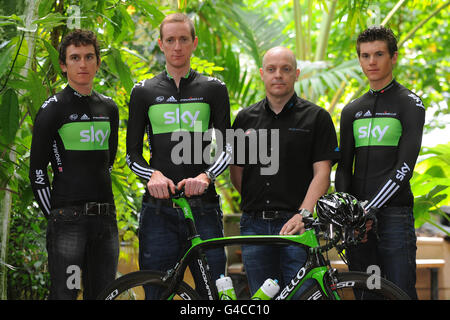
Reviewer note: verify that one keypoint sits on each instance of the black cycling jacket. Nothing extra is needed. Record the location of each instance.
(176, 120)
(78, 135)
(380, 139)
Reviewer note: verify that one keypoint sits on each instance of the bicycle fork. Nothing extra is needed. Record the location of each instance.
(326, 278)
(331, 282)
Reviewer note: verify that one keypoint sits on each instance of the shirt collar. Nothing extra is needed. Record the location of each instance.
(288, 106)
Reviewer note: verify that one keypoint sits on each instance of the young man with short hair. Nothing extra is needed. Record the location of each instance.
(380, 139)
(177, 101)
(76, 130)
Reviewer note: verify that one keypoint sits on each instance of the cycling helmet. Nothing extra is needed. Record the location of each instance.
(340, 209)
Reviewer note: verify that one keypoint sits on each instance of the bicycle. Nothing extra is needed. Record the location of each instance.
(329, 283)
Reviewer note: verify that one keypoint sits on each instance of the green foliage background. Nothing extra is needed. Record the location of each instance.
(233, 34)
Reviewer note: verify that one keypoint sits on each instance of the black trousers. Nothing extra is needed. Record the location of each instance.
(83, 252)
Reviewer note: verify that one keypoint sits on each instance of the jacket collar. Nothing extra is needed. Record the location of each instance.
(389, 86)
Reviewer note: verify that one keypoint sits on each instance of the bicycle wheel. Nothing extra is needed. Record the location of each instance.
(358, 286)
(130, 287)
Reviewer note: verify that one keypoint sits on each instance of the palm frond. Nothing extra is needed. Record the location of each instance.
(255, 32)
(317, 77)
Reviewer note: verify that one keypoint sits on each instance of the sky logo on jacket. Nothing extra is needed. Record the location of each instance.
(84, 136)
(377, 132)
(403, 171)
(168, 118)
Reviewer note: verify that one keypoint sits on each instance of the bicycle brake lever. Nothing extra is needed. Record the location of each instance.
(309, 222)
(372, 215)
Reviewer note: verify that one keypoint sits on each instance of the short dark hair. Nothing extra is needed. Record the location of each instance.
(78, 38)
(375, 33)
(177, 17)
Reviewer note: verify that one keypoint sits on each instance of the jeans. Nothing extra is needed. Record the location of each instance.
(395, 250)
(163, 240)
(264, 261)
(80, 243)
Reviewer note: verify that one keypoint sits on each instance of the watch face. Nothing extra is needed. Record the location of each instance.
(305, 212)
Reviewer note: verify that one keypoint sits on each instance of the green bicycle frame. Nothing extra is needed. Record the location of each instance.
(315, 268)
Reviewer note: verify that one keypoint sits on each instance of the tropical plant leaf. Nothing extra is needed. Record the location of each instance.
(430, 184)
(255, 32)
(117, 66)
(9, 116)
(317, 78)
(44, 7)
(150, 12)
(37, 92)
(5, 59)
(53, 56)
(50, 21)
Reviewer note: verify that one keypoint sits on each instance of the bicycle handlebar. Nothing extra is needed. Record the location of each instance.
(179, 193)
(310, 223)
(346, 233)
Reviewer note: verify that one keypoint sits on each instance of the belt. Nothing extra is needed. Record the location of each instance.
(196, 202)
(97, 209)
(271, 214)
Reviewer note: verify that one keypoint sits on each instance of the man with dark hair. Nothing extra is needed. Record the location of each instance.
(273, 203)
(381, 135)
(378, 34)
(76, 130)
(78, 38)
(178, 101)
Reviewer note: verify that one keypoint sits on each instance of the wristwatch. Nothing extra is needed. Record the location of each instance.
(210, 176)
(304, 212)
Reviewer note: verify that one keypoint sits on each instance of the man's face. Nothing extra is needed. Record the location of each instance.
(279, 73)
(376, 62)
(177, 44)
(81, 65)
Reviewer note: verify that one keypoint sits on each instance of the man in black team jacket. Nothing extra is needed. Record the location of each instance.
(177, 107)
(381, 134)
(76, 131)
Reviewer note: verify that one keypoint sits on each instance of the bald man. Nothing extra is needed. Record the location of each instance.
(301, 137)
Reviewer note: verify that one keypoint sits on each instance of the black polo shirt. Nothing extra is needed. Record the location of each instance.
(304, 133)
